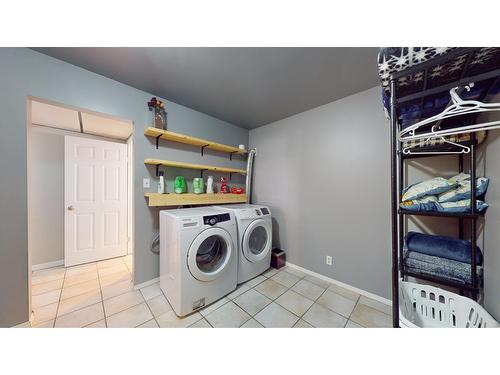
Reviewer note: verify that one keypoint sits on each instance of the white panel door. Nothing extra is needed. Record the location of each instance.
(95, 174)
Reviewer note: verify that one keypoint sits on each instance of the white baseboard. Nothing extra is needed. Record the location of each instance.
(146, 283)
(42, 266)
(343, 285)
(23, 325)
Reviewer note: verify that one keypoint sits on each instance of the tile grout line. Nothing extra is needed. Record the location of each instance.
(77, 295)
(315, 300)
(146, 301)
(100, 291)
(290, 288)
(232, 300)
(274, 300)
(102, 297)
(355, 305)
(118, 312)
(149, 308)
(142, 295)
(60, 295)
(305, 312)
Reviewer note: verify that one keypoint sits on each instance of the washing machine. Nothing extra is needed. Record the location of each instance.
(255, 225)
(198, 257)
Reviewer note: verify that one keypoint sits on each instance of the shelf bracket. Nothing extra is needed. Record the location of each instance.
(230, 176)
(203, 148)
(157, 141)
(157, 170)
(201, 172)
(231, 155)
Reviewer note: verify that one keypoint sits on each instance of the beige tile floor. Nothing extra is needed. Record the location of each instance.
(102, 294)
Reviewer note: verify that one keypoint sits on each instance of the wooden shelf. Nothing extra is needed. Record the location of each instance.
(179, 164)
(189, 140)
(172, 199)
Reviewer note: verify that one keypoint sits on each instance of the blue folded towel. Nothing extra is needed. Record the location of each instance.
(439, 267)
(424, 258)
(442, 246)
(465, 279)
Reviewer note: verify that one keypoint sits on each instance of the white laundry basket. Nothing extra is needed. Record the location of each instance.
(426, 306)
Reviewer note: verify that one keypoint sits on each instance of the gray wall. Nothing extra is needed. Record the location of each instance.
(47, 197)
(325, 175)
(24, 72)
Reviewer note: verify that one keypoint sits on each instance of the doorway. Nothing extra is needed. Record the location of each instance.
(79, 205)
(95, 195)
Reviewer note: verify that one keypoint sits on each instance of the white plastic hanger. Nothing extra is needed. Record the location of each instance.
(457, 108)
(461, 148)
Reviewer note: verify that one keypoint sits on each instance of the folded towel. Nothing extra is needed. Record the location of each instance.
(418, 258)
(463, 190)
(431, 204)
(464, 279)
(433, 186)
(460, 206)
(442, 246)
(439, 267)
(425, 204)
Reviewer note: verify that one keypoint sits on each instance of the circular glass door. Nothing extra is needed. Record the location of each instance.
(209, 254)
(257, 240)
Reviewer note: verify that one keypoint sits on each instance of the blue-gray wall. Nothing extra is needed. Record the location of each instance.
(325, 174)
(24, 73)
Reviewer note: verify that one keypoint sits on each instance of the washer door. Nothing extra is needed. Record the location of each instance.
(256, 242)
(210, 254)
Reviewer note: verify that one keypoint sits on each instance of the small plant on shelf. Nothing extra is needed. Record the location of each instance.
(159, 114)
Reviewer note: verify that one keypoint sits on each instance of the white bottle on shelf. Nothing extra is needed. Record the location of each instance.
(210, 185)
(161, 184)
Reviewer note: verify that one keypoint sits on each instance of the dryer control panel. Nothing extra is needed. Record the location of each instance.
(214, 219)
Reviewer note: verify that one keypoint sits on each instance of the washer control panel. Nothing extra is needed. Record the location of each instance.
(214, 219)
(265, 211)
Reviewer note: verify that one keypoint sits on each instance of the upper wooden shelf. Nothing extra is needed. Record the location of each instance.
(189, 140)
(179, 164)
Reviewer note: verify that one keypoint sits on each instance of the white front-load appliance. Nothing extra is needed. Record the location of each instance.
(198, 257)
(254, 238)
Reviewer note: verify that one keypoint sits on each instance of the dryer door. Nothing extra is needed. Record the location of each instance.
(256, 243)
(210, 253)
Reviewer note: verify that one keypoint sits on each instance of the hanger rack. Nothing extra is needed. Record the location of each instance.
(460, 149)
(429, 131)
(458, 107)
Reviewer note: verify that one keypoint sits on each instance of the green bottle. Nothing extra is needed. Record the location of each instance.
(179, 185)
(198, 185)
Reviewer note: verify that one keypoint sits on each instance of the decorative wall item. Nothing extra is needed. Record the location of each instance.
(159, 114)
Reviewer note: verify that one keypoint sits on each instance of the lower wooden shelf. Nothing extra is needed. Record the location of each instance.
(172, 199)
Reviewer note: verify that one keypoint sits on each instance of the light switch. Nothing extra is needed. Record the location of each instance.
(146, 182)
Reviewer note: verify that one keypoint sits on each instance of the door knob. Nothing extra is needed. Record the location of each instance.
(70, 208)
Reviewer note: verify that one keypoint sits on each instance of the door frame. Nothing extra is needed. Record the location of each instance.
(130, 178)
(97, 208)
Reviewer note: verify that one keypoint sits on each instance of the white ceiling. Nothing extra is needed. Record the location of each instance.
(54, 116)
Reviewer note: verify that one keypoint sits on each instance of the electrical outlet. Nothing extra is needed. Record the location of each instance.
(329, 260)
(146, 182)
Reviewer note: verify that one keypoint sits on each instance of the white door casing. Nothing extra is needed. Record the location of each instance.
(95, 175)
